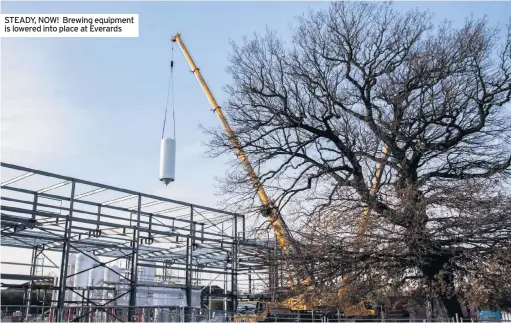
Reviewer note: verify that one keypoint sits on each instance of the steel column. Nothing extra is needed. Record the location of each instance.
(190, 242)
(28, 292)
(65, 255)
(188, 279)
(249, 282)
(34, 208)
(243, 219)
(134, 263)
(234, 265)
(98, 217)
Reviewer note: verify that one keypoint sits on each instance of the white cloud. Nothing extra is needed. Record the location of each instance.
(38, 121)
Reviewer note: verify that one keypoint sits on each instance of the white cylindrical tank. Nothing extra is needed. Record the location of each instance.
(110, 279)
(96, 279)
(167, 160)
(70, 281)
(112, 274)
(96, 276)
(84, 262)
(125, 273)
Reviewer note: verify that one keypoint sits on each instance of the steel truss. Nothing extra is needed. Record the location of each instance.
(47, 212)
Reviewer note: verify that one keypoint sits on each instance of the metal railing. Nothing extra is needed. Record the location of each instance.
(181, 314)
(112, 314)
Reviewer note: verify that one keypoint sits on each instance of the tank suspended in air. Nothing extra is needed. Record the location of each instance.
(167, 160)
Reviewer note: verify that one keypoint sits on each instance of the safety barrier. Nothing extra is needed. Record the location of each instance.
(177, 314)
(112, 314)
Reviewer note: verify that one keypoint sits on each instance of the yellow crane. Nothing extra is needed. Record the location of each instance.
(280, 229)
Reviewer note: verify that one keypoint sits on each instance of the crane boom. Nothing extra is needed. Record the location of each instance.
(280, 228)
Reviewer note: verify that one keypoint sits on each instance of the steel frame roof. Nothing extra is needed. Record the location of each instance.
(36, 205)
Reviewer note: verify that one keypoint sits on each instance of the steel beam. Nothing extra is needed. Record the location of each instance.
(109, 187)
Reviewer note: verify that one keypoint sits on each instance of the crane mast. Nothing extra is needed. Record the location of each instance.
(280, 228)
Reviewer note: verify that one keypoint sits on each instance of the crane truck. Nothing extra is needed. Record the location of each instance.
(263, 311)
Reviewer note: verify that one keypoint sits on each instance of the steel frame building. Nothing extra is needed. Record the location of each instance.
(47, 212)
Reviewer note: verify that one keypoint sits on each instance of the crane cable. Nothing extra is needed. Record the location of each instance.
(170, 92)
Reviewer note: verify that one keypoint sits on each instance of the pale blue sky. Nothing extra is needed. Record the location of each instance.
(93, 108)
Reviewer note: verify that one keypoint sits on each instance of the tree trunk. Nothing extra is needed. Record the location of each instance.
(452, 305)
(414, 207)
(447, 292)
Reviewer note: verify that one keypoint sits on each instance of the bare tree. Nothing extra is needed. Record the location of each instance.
(313, 115)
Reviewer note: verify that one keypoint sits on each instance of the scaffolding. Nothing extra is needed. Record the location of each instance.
(187, 247)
